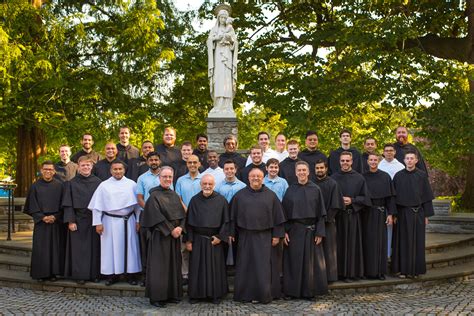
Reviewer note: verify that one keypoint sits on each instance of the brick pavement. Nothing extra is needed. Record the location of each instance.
(453, 298)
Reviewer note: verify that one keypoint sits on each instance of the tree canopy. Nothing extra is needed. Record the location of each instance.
(323, 65)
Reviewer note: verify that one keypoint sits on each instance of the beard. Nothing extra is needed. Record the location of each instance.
(402, 139)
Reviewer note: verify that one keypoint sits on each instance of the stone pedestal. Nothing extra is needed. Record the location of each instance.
(218, 128)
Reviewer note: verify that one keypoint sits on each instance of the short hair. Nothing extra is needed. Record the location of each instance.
(167, 168)
(370, 137)
(187, 143)
(87, 134)
(65, 145)
(321, 161)
(85, 158)
(411, 151)
(301, 163)
(118, 161)
(256, 147)
(229, 161)
(373, 154)
(152, 154)
(345, 130)
(401, 126)
(310, 133)
(147, 141)
(256, 168)
(292, 142)
(388, 145)
(280, 134)
(212, 151)
(230, 137)
(170, 128)
(125, 127)
(263, 133)
(272, 161)
(346, 153)
(47, 162)
(201, 135)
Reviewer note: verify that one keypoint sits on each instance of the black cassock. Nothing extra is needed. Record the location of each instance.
(126, 153)
(350, 261)
(44, 199)
(180, 169)
(202, 155)
(102, 169)
(304, 267)
(244, 173)
(334, 164)
(136, 167)
(374, 227)
(82, 245)
(311, 156)
(401, 149)
(333, 201)
(168, 155)
(257, 216)
(207, 217)
(163, 212)
(414, 203)
(287, 170)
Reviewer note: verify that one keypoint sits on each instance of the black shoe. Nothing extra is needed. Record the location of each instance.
(81, 282)
(174, 301)
(132, 282)
(110, 281)
(193, 301)
(381, 277)
(348, 280)
(287, 298)
(159, 304)
(53, 279)
(142, 283)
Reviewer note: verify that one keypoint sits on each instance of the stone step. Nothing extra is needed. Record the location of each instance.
(21, 279)
(14, 262)
(450, 257)
(22, 222)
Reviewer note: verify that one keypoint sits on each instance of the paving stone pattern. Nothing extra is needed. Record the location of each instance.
(452, 298)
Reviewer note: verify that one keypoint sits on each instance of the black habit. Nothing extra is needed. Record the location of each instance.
(287, 170)
(350, 261)
(374, 227)
(102, 169)
(82, 245)
(311, 156)
(93, 155)
(334, 164)
(180, 169)
(239, 160)
(244, 173)
(125, 153)
(334, 204)
(168, 155)
(44, 199)
(304, 267)
(202, 155)
(207, 217)
(163, 212)
(136, 167)
(414, 204)
(257, 217)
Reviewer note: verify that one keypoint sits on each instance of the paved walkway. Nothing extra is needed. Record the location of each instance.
(454, 298)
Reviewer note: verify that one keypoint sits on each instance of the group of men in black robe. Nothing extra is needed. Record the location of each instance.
(331, 224)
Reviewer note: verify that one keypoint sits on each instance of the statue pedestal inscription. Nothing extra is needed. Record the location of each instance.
(218, 128)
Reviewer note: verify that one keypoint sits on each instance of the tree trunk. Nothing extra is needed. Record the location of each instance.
(467, 198)
(30, 145)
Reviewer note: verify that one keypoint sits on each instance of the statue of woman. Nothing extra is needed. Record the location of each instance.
(222, 49)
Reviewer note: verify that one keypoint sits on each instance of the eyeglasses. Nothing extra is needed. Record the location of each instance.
(192, 162)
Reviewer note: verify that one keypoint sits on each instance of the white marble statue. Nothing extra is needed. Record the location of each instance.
(222, 50)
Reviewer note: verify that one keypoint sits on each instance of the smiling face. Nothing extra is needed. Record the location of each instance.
(280, 143)
(169, 137)
(186, 151)
(312, 142)
(213, 159)
(87, 142)
(346, 139)
(147, 147)
(256, 156)
(293, 151)
(85, 168)
(302, 173)
(166, 178)
(321, 170)
(410, 161)
(401, 134)
(373, 162)
(202, 143)
(47, 172)
(264, 141)
(370, 145)
(207, 184)
(346, 163)
(110, 151)
(193, 164)
(256, 178)
(153, 162)
(230, 145)
(273, 170)
(230, 170)
(389, 153)
(65, 153)
(124, 135)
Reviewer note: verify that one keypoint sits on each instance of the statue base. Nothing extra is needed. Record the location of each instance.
(218, 128)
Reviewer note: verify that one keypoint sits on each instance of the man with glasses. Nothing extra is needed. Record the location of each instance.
(230, 145)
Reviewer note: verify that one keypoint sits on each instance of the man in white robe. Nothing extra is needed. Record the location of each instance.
(115, 213)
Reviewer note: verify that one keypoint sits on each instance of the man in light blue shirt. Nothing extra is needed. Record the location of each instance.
(214, 169)
(189, 185)
(273, 181)
(149, 179)
(230, 185)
